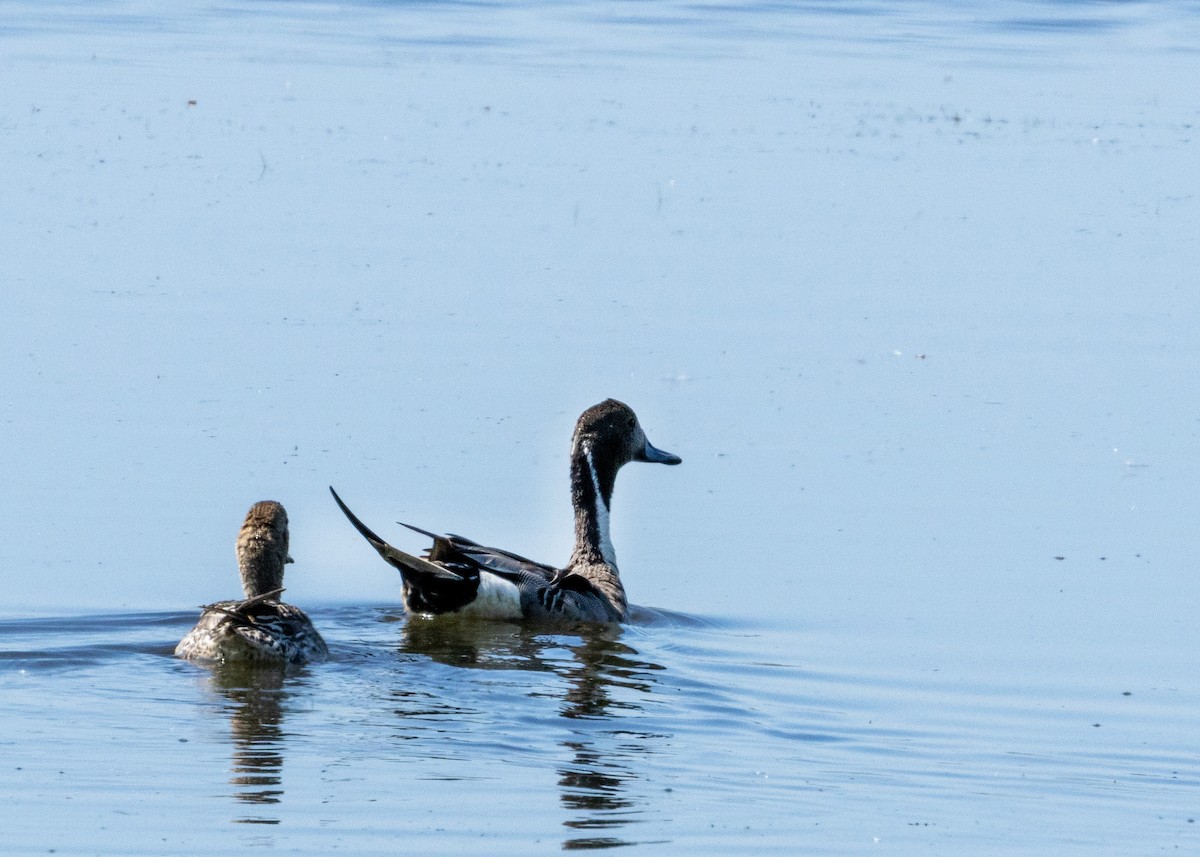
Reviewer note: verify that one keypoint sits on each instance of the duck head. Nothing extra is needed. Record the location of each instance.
(262, 548)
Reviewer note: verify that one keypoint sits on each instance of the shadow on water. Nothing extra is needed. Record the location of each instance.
(257, 694)
(603, 679)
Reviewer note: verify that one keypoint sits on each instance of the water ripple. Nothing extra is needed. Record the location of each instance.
(620, 718)
(538, 32)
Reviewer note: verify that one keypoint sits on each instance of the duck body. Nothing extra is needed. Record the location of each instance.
(259, 627)
(473, 580)
(461, 577)
(253, 629)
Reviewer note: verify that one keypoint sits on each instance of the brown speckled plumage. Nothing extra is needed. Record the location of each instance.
(259, 627)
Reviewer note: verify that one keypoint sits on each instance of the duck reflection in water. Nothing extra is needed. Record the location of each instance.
(606, 683)
(256, 693)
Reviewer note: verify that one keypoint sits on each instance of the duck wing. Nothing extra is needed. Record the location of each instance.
(281, 632)
(547, 593)
(458, 574)
(507, 564)
(260, 628)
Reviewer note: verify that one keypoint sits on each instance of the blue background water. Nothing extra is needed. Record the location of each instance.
(910, 288)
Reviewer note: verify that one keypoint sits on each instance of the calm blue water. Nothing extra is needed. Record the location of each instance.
(909, 286)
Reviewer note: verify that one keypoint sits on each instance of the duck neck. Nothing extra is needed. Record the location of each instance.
(591, 495)
(261, 566)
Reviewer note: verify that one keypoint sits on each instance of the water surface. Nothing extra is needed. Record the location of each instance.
(909, 287)
(474, 737)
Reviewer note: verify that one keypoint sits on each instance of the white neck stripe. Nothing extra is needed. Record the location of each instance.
(606, 547)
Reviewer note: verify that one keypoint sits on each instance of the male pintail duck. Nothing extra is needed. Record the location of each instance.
(460, 576)
(260, 627)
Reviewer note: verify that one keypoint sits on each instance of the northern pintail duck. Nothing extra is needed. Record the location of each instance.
(260, 627)
(460, 576)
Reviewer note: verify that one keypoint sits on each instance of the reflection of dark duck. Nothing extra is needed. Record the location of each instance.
(474, 644)
(602, 684)
(602, 663)
(460, 576)
(502, 645)
(260, 627)
(601, 681)
(591, 658)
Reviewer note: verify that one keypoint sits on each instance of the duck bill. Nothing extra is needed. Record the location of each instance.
(657, 456)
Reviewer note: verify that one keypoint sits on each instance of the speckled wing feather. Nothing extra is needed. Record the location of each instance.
(254, 629)
(283, 631)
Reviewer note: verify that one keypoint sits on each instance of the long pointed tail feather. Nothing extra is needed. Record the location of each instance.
(433, 536)
(405, 562)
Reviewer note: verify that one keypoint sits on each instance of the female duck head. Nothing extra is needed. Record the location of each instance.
(262, 548)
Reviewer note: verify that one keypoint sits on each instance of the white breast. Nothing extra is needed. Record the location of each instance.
(497, 599)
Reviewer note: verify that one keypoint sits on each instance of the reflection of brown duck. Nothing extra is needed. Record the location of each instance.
(256, 721)
(260, 627)
(462, 577)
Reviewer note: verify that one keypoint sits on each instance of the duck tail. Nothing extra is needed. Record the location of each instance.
(406, 563)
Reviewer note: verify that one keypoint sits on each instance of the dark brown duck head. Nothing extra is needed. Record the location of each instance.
(607, 437)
